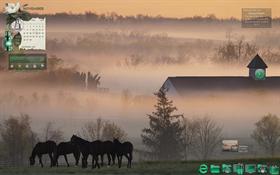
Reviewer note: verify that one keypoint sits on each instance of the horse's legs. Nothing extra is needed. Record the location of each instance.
(128, 159)
(77, 157)
(102, 159)
(96, 160)
(54, 157)
(118, 157)
(84, 161)
(51, 158)
(57, 160)
(109, 159)
(40, 160)
(65, 157)
(113, 158)
(120, 160)
(93, 159)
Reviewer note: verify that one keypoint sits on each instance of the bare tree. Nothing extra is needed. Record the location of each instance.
(52, 133)
(102, 130)
(111, 130)
(88, 131)
(99, 125)
(267, 133)
(191, 129)
(126, 96)
(229, 34)
(239, 46)
(236, 50)
(92, 130)
(207, 139)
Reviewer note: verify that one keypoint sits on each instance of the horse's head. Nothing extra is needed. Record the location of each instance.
(78, 140)
(31, 160)
(116, 140)
(74, 138)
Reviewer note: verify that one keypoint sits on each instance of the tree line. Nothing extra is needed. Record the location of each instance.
(169, 136)
(238, 50)
(90, 16)
(59, 74)
(174, 137)
(18, 138)
(114, 17)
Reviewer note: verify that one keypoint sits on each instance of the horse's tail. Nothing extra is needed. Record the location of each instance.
(131, 155)
(131, 151)
(77, 155)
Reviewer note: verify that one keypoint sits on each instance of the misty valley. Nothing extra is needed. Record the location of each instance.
(105, 79)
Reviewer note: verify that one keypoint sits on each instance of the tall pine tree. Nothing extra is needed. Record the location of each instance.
(165, 135)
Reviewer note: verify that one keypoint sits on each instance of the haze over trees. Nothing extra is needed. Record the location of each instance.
(208, 137)
(173, 137)
(190, 134)
(236, 51)
(150, 55)
(17, 139)
(102, 130)
(51, 132)
(267, 133)
(112, 17)
(92, 17)
(58, 74)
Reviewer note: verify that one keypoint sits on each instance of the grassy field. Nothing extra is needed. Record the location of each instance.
(148, 168)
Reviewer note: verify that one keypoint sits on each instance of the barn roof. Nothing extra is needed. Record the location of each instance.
(257, 63)
(204, 83)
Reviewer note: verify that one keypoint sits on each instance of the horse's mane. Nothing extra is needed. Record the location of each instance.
(116, 141)
(97, 141)
(79, 139)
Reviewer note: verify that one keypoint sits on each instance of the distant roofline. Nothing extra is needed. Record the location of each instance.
(257, 62)
(218, 77)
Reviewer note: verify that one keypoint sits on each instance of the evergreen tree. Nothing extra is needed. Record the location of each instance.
(165, 136)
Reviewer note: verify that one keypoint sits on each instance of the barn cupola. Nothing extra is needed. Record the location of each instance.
(257, 68)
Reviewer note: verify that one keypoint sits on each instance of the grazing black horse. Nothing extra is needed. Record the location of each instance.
(65, 148)
(48, 147)
(108, 149)
(123, 149)
(96, 150)
(87, 148)
(84, 148)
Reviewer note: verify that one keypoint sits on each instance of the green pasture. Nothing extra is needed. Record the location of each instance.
(148, 168)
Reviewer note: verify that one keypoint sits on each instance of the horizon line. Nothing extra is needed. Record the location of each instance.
(210, 16)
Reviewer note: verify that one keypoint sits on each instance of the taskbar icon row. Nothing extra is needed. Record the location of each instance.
(239, 169)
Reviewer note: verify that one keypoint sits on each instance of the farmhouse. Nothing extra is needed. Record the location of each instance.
(257, 79)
